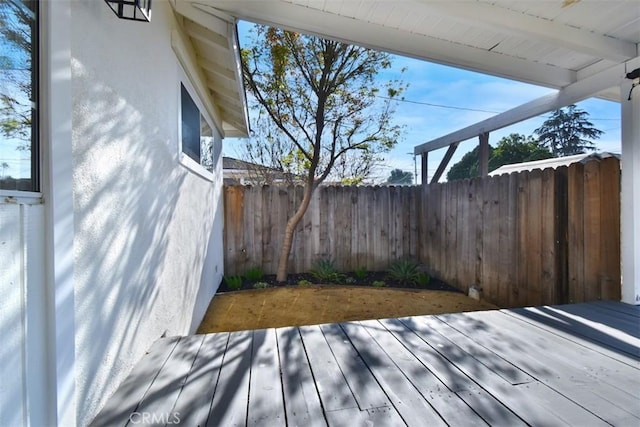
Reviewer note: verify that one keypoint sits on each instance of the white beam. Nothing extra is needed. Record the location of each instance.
(496, 18)
(630, 204)
(325, 24)
(571, 94)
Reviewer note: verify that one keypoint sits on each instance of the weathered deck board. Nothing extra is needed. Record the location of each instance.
(131, 392)
(561, 365)
(195, 399)
(229, 405)
(564, 368)
(301, 400)
(411, 406)
(266, 405)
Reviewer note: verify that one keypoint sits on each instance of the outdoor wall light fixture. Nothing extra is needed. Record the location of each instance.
(133, 10)
(634, 76)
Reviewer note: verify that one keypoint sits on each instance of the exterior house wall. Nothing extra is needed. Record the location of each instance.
(148, 230)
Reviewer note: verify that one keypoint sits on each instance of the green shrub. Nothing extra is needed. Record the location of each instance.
(254, 274)
(378, 284)
(233, 282)
(360, 273)
(404, 271)
(260, 285)
(304, 283)
(349, 280)
(324, 270)
(423, 279)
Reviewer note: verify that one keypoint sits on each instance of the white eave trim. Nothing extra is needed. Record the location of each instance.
(223, 24)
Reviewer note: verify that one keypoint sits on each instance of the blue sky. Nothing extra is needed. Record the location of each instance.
(443, 85)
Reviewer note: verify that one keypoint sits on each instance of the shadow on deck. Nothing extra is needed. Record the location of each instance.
(562, 365)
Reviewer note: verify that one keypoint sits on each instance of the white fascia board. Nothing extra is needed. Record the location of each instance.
(495, 18)
(186, 56)
(317, 22)
(222, 24)
(571, 94)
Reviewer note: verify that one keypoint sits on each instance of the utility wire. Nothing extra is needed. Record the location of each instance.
(452, 107)
(439, 105)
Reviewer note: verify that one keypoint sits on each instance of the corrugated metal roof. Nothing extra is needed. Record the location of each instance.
(552, 163)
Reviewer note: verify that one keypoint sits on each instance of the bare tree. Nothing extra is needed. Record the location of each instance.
(322, 98)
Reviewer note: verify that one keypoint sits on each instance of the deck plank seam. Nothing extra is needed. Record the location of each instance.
(186, 378)
(175, 345)
(284, 400)
(435, 375)
(401, 372)
(313, 376)
(472, 379)
(224, 355)
(389, 399)
(484, 348)
(578, 333)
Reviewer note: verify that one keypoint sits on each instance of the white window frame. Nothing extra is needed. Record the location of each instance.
(183, 158)
(192, 80)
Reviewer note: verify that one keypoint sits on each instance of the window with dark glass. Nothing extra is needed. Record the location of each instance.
(19, 163)
(197, 135)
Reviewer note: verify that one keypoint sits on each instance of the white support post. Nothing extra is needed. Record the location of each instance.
(56, 107)
(630, 209)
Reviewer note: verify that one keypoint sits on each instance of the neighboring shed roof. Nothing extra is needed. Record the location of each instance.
(551, 163)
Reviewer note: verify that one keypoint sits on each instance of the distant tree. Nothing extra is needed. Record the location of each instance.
(400, 177)
(16, 114)
(4, 166)
(517, 148)
(468, 166)
(323, 100)
(568, 131)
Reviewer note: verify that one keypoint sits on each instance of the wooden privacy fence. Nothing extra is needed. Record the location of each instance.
(356, 227)
(531, 238)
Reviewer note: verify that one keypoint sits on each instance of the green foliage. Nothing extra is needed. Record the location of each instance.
(260, 285)
(400, 177)
(254, 274)
(360, 273)
(378, 284)
(517, 148)
(349, 280)
(233, 282)
(468, 166)
(423, 279)
(325, 270)
(320, 106)
(568, 131)
(404, 271)
(304, 283)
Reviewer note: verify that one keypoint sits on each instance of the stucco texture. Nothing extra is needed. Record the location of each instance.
(148, 231)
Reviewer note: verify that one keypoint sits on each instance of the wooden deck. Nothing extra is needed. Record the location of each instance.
(566, 365)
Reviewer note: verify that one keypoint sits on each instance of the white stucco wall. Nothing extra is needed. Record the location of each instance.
(148, 231)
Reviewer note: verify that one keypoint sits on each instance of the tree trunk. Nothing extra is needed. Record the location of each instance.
(281, 275)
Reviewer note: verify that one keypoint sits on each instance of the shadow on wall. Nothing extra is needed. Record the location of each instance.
(212, 264)
(138, 244)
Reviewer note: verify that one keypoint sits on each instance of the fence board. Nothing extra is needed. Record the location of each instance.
(610, 223)
(540, 237)
(591, 212)
(491, 245)
(519, 290)
(548, 238)
(575, 199)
